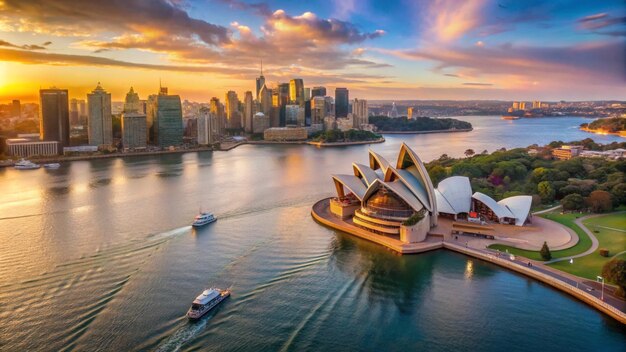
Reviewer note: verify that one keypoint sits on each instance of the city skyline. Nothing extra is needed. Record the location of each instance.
(478, 50)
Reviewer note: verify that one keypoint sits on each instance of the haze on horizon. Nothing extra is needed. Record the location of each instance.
(439, 49)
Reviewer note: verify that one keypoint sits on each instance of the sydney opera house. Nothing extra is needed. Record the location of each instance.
(399, 200)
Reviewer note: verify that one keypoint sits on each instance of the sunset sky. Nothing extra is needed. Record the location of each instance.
(438, 49)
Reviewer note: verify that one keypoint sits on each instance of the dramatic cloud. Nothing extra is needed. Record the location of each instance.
(603, 23)
(69, 17)
(259, 8)
(25, 47)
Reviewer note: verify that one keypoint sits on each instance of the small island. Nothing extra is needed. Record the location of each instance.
(337, 137)
(614, 125)
(422, 124)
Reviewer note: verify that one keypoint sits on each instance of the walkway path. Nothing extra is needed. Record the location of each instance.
(594, 240)
(546, 210)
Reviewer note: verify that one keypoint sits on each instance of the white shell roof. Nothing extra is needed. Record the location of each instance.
(368, 174)
(519, 206)
(457, 192)
(399, 189)
(353, 183)
(442, 204)
(382, 162)
(414, 185)
(500, 210)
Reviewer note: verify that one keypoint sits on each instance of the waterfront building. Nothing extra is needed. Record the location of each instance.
(282, 134)
(248, 111)
(296, 91)
(341, 102)
(318, 92)
(164, 119)
(16, 108)
(513, 210)
(380, 198)
(55, 119)
(294, 115)
(134, 131)
(515, 105)
(260, 122)
(26, 148)
(330, 123)
(99, 122)
(567, 152)
(522, 105)
(231, 109)
(360, 113)
(207, 126)
(536, 105)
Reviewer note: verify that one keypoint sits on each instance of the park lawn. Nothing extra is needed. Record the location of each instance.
(590, 266)
(584, 242)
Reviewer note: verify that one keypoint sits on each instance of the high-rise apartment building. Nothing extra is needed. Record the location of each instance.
(341, 102)
(164, 118)
(134, 126)
(360, 113)
(55, 119)
(296, 91)
(207, 126)
(248, 111)
(99, 122)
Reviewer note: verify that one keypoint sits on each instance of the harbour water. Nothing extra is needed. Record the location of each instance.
(99, 255)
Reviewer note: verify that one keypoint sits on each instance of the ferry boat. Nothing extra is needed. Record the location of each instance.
(510, 117)
(52, 166)
(206, 301)
(24, 164)
(203, 219)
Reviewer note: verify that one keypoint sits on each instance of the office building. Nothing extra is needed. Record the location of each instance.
(26, 148)
(55, 118)
(260, 82)
(99, 122)
(318, 109)
(341, 102)
(294, 115)
(74, 114)
(409, 113)
(318, 92)
(16, 108)
(217, 109)
(260, 122)
(248, 111)
(231, 109)
(164, 118)
(296, 91)
(307, 94)
(134, 130)
(536, 105)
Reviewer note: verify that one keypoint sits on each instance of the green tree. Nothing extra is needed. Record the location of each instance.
(619, 192)
(545, 252)
(615, 272)
(545, 191)
(469, 152)
(573, 201)
(437, 173)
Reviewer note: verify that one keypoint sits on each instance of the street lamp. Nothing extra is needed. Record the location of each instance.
(600, 278)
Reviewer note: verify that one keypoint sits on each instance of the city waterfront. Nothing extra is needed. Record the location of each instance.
(99, 255)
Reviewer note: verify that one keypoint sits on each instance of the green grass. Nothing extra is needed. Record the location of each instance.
(590, 266)
(584, 242)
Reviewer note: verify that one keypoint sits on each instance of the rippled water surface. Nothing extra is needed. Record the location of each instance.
(99, 255)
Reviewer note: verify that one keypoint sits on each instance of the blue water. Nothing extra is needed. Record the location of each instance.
(99, 255)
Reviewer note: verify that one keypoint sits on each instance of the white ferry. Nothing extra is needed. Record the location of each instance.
(203, 219)
(206, 301)
(24, 164)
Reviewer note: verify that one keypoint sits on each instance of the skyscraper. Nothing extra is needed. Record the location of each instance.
(248, 111)
(164, 119)
(341, 102)
(307, 94)
(134, 130)
(217, 109)
(16, 108)
(99, 123)
(318, 109)
(296, 91)
(283, 100)
(231, 105)
(260, 82)
(207, 126)
(294, 115)
(360, 113)
(409, 113)
(74, 114)
(318, 92)
(55, 118)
